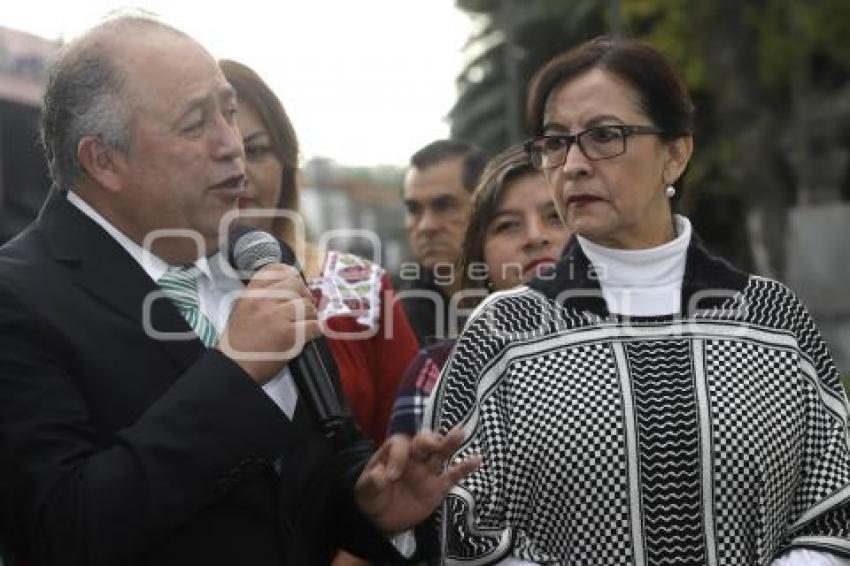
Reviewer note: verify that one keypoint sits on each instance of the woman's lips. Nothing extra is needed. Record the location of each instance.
(581, 200)
(535, 265)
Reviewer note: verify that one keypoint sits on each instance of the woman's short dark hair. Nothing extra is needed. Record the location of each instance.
(663, 96)
(500, 172)
(253, 91)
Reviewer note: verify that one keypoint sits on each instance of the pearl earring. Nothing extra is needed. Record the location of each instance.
(670, 191)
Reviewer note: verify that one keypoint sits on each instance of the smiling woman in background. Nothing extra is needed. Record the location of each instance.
(650, 404)
(514, 234)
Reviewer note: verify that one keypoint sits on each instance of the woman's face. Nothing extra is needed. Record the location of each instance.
(617, 202)
(525, 235)
(263, 170)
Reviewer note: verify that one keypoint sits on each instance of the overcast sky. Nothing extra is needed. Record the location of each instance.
(365, 82)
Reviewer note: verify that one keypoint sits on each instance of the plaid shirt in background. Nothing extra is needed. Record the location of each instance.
(416, 385)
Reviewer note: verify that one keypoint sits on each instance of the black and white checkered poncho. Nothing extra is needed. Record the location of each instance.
(719, 437)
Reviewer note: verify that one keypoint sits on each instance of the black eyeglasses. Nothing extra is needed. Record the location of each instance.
(599, 142)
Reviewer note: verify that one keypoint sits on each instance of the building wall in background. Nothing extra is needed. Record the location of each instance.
(23, 173)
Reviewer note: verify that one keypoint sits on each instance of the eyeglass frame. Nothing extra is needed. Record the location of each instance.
(575, 139)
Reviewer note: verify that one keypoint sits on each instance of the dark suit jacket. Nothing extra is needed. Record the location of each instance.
(116, 448)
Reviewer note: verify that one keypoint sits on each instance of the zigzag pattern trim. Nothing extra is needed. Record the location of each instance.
(667, 420)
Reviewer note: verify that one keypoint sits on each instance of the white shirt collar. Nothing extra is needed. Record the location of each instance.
(215, 293)
(154, 266)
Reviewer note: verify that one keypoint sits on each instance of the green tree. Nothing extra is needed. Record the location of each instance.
(511, 40)
(769, 79)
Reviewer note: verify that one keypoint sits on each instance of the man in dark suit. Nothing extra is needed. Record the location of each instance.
(437, 194)
(119, 442)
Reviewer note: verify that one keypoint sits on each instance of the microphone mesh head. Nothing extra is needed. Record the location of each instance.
(253, 250)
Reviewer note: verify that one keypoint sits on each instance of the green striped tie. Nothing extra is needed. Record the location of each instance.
(181, 286)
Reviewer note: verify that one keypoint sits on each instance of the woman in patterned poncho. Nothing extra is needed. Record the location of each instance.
(646, 403)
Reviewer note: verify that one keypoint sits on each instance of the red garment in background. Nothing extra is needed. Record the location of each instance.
(356, 300)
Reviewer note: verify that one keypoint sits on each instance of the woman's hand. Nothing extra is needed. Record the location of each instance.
(407, 478)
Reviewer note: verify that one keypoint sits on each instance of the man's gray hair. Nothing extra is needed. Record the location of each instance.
(85, 96)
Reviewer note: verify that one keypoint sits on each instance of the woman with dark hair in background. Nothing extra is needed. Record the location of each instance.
(514, 234)
(649, 404)
(371, 339)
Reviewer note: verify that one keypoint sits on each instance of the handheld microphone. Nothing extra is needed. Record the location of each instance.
(314, 370)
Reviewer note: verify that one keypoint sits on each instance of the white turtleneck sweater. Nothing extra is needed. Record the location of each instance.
(642, 282)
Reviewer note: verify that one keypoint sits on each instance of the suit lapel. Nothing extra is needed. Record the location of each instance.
(106, 271)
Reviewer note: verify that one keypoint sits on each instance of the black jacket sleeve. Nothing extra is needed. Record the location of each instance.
(80, 496)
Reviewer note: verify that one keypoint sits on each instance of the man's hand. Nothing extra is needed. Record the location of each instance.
(406, 478)
(270, 323)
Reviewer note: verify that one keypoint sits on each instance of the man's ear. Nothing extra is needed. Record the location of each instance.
(679, 153)
(101, 162)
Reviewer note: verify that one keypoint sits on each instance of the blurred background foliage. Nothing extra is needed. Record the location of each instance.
(770, 79)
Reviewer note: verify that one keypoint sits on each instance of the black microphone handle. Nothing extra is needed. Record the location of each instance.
(317, 389)
(314, 370)
(317, 384)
